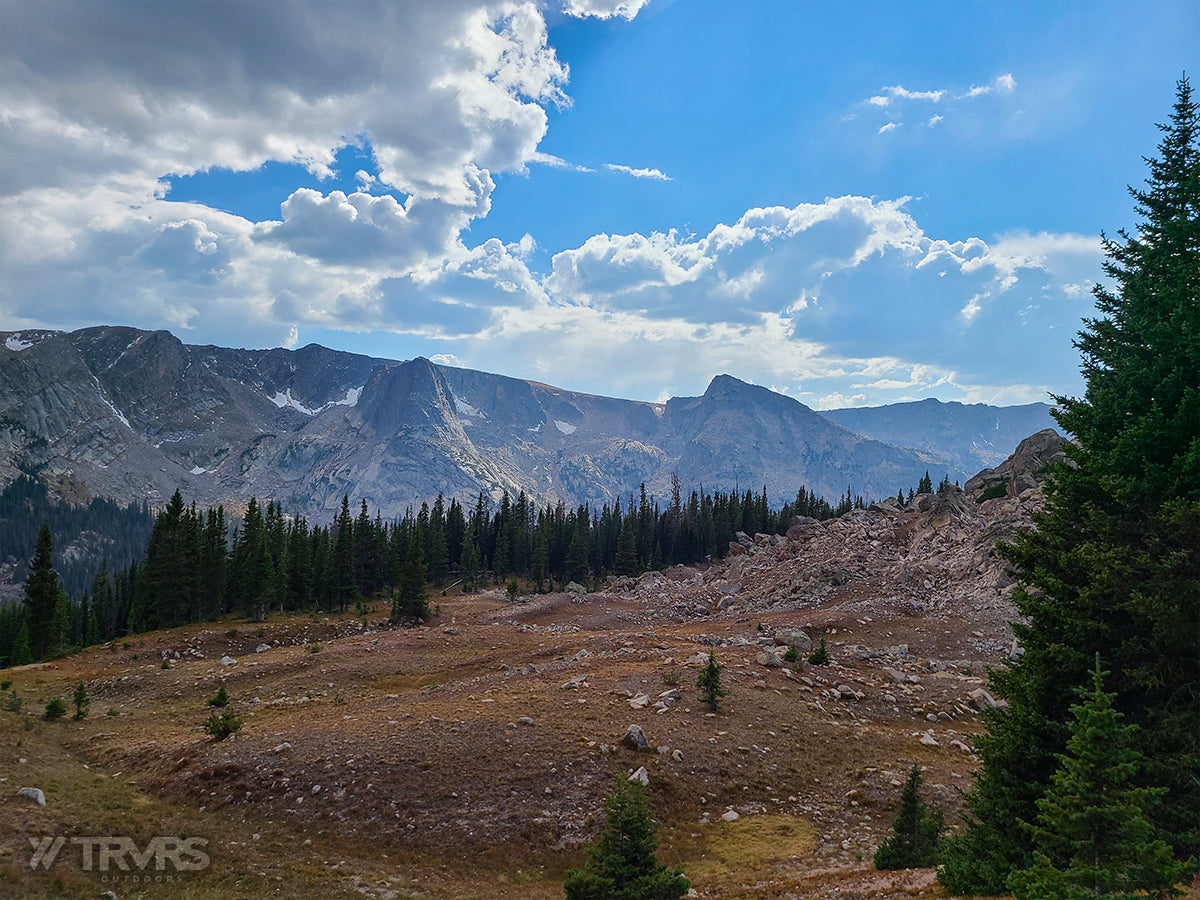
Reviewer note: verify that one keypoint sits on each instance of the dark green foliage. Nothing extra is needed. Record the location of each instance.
(709, 682)
(1114, 565)
(916, 832)
(1093, 834)
(621, 863)
(222, 725)
(25, 506)
(221, 698)
(41, 596)
(820, 656)
(996, 490)
(411, 602)
(81, 700)
(925, 486)
(55, 709)
(792, 657)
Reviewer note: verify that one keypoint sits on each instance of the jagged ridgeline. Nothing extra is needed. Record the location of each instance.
(117, 412)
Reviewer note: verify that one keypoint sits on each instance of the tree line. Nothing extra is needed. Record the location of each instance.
(201, 564)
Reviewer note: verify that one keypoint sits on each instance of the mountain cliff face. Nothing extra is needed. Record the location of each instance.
(960, 437)
(114, 411)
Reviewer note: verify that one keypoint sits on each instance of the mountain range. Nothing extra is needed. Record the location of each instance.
(118, 412)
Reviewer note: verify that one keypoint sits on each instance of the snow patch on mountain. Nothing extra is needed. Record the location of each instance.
(466, 410)
(15, 344)
(565, 427)
(285, 398)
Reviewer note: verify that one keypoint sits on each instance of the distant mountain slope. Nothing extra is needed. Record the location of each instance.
(129, 414)
(962, 437)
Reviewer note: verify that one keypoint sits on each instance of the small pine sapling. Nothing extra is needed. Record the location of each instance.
(709, 682)
(916, 833)
(621, 863)
(221, 698)
(81, 700)
(820, 656)
(55, 709)
(223, 725)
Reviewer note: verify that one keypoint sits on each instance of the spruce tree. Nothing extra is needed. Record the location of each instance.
(1113, 566)
(1093, 834)
(41, 596)
(916, 831)
(621, 863)
(709, 682)
(411, 602)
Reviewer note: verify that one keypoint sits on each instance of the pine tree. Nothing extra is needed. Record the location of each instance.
(709, 682)
(626, 562)
(925, 486)
(22, 655)
(1092, 833)
(1113, 565)
(81, 700)
(41, 596)
(621, 863)
(411, 601)
(915, 833)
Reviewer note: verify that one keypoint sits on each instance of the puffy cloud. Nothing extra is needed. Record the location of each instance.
(604, 9)
(363, 228)
(442, 90)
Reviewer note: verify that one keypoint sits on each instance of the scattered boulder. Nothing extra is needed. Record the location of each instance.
(769, 659)
(574, 587)
(262, 648)
(635, 738)
(981, 700)
(33, 794)
(639, 701)
(228, 661)
(641, 776)
(794, 637)
(574, 683)
(730, 815)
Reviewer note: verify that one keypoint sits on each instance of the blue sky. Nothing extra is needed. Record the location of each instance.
(852, 203)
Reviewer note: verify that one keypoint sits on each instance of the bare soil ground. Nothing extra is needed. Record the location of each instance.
(469, 758)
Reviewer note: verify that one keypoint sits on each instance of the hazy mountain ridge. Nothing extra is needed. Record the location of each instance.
(966, 437)
(130, 414)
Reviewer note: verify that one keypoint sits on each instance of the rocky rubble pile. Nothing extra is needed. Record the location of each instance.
(933, 557)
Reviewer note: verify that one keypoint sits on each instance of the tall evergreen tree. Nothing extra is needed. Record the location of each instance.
(41, 595)
(1113, 566)
(343, 583)
(411, 601)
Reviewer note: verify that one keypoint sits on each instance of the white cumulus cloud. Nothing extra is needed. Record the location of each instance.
(604, 9)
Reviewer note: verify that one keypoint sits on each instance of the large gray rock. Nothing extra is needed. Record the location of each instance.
(33, 794)
(635, 738)
(794, 637)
